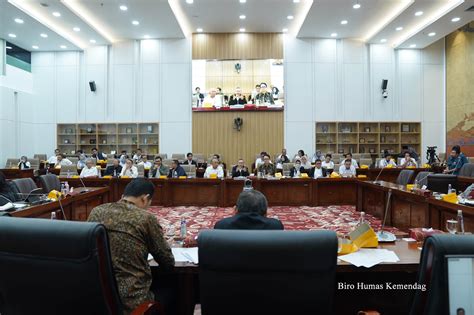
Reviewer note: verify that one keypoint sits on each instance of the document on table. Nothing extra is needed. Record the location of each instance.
(369, 257)
(182, 254)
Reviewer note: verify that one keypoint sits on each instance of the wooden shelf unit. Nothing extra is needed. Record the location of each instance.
(108, 137)
(367, 137)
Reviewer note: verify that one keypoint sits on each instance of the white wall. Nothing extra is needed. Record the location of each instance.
(137, 81)
(340, 80)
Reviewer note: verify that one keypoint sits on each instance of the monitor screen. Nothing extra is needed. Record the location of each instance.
(461, 284)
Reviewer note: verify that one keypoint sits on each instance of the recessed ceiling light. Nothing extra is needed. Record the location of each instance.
(412, 45)
(242, 1)
(135, 22)
(63, 46)
(56, 14)
(189, 1)
(284, 30)
(12, 35)
(92, 41)
(8, 47)
(146, 36)
(290, 17)
(456, 19)
(296, 1)
(199, 30)
(76, 29)
(19, 21)
(344, 22)
(431, 34)
(333, 34)
(44, 35)
(242, 29)
(123, 8)
(383, 40)
(34, 47)
(399, 28)
(356, 6)
(419, 13)
(242, 17)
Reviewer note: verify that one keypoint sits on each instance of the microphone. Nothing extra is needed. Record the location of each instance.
(420, 180)
(61, 206)
(375, 181)
(84, 185)
(31, 193)
(382, 235)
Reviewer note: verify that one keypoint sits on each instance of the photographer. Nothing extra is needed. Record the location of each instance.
(456, 160)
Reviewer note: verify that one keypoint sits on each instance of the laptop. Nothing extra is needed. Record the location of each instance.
(460, 276)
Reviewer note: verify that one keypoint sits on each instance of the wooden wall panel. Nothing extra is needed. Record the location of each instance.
(227, 46)
(214, 133)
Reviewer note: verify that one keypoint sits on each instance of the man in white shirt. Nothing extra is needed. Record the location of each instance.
(353, 162)
(387, 161)
(214, 168)
(408, 161)
(24, 164)
(282, 158)
(137, 156)
(212, 99)
(90, 170)
(305, 163)
(129, 169)
(347, 169)
(62, 160)
(259, 160)
(53, 159)
(144, 161)
(327, 163)
(318, 170)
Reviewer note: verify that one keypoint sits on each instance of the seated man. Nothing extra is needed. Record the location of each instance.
(62, 160)
(237, 98)
(133, 233)
(297, 169)
(386, 161)
(90, 170)
(189, 160)
(305, 163)
(281, 159)
(176, 170)
(214, 168)
(98, 155)
(264, 97)
(81, 160)
(456, 160)
(317, 156)
(347, 169)
(159, 169)
(129, 169)
(318, 170)
(259, 160)
(137, 156)
(212, 100)
(328, 163)
(240, 170)
(353, 162)
(250, 214)
(114, 170)
(144, 161)
(53, 158)
(267, 168)
(408, 161)
(24, 164)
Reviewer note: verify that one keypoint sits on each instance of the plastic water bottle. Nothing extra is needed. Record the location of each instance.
(362, 218)
(66, 187)
(53, 215)
(68, 174)
(115, 173)
(415, 184)
(460, 222)
(450, 188)
(182, 232)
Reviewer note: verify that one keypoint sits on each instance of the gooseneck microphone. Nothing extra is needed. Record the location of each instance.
(84, 185)
(375, 181)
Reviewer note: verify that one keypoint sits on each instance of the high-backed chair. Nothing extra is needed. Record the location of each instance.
(167, 162)
(70, 170)
(35, 163)
(267, 272)
(24, 185)
(178, 156)
(432, 272)
(190, 170)
(74, 159)
(440, 182)
(50, 182)
(12, 163)
(56, 267)
(405, 177)
(287, 168)
(141, 170)
(467, 170)
(41, 157)
(422, 178)
(162, 155)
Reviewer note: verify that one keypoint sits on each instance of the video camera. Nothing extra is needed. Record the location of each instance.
(431, 155)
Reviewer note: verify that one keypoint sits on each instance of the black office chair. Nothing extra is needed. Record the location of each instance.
(422, 178)
(50, 182)
(56, 267)
(432, 272)
(440, 182)
(24, 185)
(467, 170)
(405, 177)
(267, 272)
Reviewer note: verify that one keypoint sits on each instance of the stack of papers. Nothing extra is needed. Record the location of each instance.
(369, 257)
(183, 254)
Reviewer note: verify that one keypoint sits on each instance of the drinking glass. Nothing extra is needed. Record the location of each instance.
(452, 226)
(170, 231)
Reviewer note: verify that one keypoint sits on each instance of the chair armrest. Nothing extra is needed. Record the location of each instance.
(148, 308)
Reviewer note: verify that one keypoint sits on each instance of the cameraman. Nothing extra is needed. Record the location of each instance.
(456, 160)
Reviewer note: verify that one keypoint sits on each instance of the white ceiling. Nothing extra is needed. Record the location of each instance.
(104, 22)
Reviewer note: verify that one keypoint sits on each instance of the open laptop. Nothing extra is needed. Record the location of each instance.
(460, 276)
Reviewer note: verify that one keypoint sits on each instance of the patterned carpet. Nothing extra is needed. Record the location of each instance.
(341, 219)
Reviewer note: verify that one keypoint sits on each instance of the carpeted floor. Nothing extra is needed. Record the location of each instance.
(341, 219)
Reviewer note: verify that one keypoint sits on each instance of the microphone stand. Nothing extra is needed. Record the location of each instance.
(85, 188)
(375, 181)
(381, 235)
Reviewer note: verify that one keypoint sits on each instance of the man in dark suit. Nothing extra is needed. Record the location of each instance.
(251, 214)
(98, 155)
(114, 169)
(176, 170)
(240, 170)
(189, 160)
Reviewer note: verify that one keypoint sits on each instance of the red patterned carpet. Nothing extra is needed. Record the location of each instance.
(341, 219)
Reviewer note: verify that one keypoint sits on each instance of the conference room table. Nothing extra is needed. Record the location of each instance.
(12, 173)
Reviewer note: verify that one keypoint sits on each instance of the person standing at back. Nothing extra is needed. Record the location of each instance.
(250, 214)
(133, 233)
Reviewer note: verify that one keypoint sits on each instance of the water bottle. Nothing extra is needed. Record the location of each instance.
(460, 222)
(449, 188)
(182, 232)
(68, 174)
(66, 187)
(362, 218)
(115, 173)
(53, 215)
(415, 184)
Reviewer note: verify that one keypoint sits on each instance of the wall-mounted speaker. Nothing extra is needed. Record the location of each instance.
(384, 84)
(92, 86)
